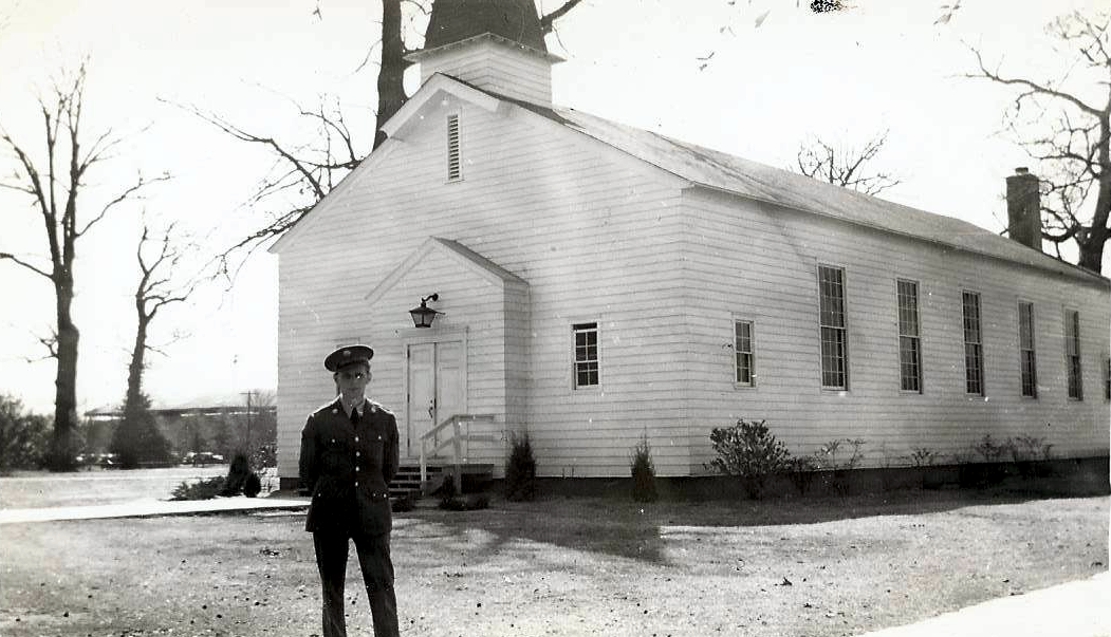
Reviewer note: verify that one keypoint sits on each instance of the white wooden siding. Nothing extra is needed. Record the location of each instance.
(495, 67)
(600, 236)
(758, 261)
(591, 231)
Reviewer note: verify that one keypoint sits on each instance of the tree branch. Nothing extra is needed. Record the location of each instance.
(14, 259)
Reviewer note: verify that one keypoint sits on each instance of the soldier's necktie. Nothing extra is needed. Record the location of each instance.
(354, 416)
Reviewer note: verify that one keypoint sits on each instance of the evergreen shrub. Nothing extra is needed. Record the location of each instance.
(644, 473)
(520, 470)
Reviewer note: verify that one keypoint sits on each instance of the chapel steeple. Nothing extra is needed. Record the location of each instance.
(496, 45)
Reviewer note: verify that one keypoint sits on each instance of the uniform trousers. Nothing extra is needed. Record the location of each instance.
(374, 561)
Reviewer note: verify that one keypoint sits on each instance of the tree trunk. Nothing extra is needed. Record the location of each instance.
(63, 446)
(135, 369)
(391, 76)
(1091, 248)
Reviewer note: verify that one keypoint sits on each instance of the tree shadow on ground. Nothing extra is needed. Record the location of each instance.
(618, 527)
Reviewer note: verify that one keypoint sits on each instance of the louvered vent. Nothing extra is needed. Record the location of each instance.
(454, 165)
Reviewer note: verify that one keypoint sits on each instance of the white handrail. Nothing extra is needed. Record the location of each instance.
(457, 438)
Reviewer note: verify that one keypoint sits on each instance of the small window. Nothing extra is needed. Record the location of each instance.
(1027, 360)
(831, 319)
(1072, 353)
(973, 345)
(742, 347)
(910, 341)
(586, 355)
(454, 161)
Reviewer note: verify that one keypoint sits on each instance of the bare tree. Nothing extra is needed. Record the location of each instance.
(55, 188)
(1065, 125)
(303, 174)
(138, 438)
(845, 166)
(159, 261)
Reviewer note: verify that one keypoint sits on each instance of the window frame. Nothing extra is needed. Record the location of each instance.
(1074, 376)
(915, 338)
(751, 353)
(978, 344)
(842, 330)
(1032, 349)
(586, 327)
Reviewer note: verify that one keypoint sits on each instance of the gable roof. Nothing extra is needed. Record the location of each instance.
(458, 252)
(720, 171)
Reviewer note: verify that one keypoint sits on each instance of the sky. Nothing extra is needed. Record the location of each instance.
(754, 78)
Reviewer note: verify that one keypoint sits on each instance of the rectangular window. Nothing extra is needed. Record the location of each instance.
(742, 346)
(586, 354)
(831, 313)
(1072, 353)
(973, 345)
(910, 342)
(1027, 360)
(454, 162)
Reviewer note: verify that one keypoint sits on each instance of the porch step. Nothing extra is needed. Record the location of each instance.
(407, 480)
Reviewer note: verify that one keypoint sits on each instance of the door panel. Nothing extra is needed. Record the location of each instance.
(436, 388)
(420, 410)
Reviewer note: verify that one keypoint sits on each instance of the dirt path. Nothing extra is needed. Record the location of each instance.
(562, 567)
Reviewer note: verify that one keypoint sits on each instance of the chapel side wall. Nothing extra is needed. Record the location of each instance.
(758, 262)
(590, 230)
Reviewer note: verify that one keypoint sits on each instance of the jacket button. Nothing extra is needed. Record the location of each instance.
(356, 468)
(356, 439)
(356, 454)
(356, 483)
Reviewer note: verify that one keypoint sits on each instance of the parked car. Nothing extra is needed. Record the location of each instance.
(202, 458)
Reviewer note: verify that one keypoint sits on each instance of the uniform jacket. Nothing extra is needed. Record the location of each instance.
(348, 468)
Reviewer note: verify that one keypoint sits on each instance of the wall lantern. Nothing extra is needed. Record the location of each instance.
(423, 315)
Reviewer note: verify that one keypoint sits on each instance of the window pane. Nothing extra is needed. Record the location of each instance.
(1027, 359)
(973, 351)
(742, 344)
(910, 357)
(1072, 354)
(831, 317)
(586, 354)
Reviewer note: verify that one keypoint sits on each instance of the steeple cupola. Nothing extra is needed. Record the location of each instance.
(496, 45)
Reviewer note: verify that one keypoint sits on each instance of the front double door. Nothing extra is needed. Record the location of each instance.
(436, 388)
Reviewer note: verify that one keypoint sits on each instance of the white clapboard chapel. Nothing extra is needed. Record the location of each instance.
(593, 284)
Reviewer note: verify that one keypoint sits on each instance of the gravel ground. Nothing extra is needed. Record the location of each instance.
(820, 567)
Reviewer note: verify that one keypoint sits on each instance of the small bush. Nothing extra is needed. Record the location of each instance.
(201, 490)
(800, 469)
(252, 485)
(750, 452)
(24, 437)
(989, 450)
(238, 474)
(469, 503)
(836, 476)
(402, 504)
(924, 457)
(520, 470)
(1030, 454)
(644, 473)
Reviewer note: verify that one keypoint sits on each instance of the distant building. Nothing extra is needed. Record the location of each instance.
(598, 283)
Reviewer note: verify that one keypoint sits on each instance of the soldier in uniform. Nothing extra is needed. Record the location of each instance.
(349, 454)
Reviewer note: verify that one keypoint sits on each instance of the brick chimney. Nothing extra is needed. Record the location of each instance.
(1024, 217)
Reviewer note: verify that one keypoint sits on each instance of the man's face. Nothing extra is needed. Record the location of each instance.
(352, 380)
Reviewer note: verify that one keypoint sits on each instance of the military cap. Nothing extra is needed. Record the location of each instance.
(347, 355)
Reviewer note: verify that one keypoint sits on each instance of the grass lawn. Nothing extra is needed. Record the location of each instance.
(558, 566)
